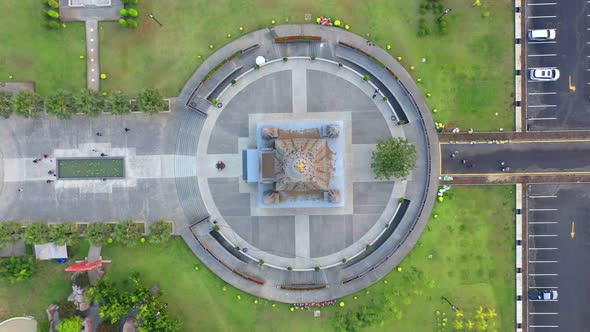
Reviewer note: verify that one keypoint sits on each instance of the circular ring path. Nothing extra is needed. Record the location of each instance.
(294, 254)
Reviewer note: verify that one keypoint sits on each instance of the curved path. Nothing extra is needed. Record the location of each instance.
(221, 141)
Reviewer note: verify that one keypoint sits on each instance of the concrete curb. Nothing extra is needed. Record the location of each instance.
(519, 284)
(517, 66)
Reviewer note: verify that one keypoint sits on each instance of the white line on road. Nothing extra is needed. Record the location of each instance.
(542, 55)
(541, 119)
(539, 106)
(543, 42)
(542, 93)
(542, 17)
(542, 248)
(546, 287)
(542, 222)
(543, 313)
(548, 326)
(542, 235)
(538, 262)
(543, 4)
(548, 196)
(542, 209)
(543, 274)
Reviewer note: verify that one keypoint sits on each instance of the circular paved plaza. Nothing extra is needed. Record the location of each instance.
(298, 250)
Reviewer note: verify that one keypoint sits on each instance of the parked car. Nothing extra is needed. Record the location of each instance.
(542, 34)
(543, 294)
(544, 74)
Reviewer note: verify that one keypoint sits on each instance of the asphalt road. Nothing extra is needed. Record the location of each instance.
(554, 105)
(533, 157)
(556, 260)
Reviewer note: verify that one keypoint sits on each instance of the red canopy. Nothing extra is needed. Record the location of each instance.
(83, 266)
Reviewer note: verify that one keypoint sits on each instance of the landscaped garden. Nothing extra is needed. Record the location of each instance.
(452, 64)
(466, 254)
(96, 168)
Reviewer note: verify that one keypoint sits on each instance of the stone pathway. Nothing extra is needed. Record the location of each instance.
(92, 55)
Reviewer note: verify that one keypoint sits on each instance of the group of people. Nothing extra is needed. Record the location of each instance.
(308, 306)
(50, 172)
(465, 162)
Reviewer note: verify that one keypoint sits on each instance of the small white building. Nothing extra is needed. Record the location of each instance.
(50, 250)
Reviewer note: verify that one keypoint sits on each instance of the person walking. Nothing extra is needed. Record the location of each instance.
(127, 129)
(103, 154)
(98, 134)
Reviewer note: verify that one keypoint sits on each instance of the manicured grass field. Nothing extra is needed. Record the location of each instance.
(31, 52)
(91, 168)
(472, 264)
(468, 72)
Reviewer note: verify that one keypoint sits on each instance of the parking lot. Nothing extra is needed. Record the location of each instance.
(558, 238)
(563, 104)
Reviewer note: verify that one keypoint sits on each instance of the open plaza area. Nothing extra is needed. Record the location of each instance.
(293, 165)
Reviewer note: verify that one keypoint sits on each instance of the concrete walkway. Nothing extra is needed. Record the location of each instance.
(92, 56)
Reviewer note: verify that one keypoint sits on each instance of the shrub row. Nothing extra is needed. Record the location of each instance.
(50, 13)
(63, 104)
(99, 234)
(216, 68)
(129, 14)
(296, 38)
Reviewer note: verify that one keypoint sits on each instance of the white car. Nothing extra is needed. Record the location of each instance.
(544, 74)
(542, 34)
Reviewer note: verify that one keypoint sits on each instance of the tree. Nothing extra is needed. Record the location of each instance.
(73, 324)
(160, 231)
(153, 317)
(52, 13)
(15, 269)
(10, 233)
(133, 12)
(28, 104)
(6, 108)
(117, 103)
(38, 233)
(89, 102)
(65, 233)
(123, 23)
(128, 233)
(132, 23)
(53, 3)
(61, 104)
(393, 157)
(150, 101)
(98, 234)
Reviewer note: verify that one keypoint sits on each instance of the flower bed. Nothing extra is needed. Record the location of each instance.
(212, 71)
(91, 168)
(297, 38)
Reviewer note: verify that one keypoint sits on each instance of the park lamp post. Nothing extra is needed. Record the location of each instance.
(151, 15)
(453, 307)
(448, 10)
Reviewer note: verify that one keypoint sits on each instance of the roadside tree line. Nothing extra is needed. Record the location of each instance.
(63, 104)
(99, 234)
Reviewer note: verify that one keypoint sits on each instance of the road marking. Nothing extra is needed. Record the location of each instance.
(529, 81)
(542, 93)
(539, 106)
(542, 209)
(543, 313)
(541, 119)
(573, 233)
(545, 287)
(542, 222)
(542, 235)
(538, 262)
(543, 4)
(543, 274)
(542, 54)
(542, 248)
(533, 17)
(542, 42)
(571, 86)
(547, 326)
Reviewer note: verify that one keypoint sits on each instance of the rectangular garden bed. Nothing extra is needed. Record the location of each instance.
(90, 168)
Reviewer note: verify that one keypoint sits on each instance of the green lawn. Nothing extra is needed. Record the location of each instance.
(472, 264)
(468, 72)
(91, 168)
(30, 52)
